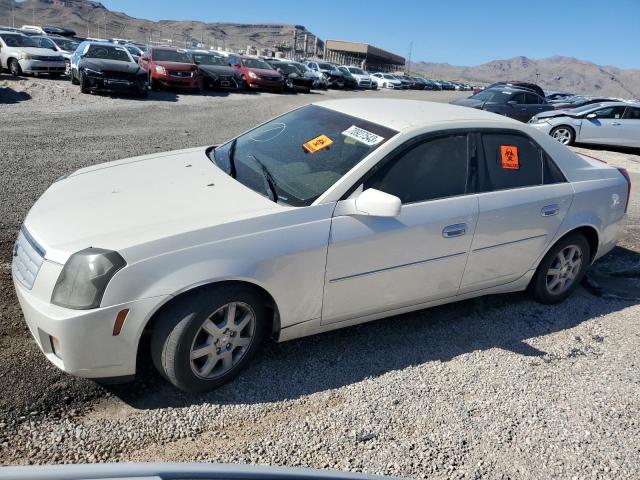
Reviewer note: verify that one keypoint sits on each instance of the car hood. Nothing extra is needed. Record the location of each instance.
(176, 65)
(263, 72)
(217, 70)
(106, 65)
(37, 51)
(558, 113)
(129, 202)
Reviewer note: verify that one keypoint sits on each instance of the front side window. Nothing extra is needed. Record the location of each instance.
(435, 168)
(295, 158)
(510, 161)
(532, 98)
(518, 98)
(610, 112)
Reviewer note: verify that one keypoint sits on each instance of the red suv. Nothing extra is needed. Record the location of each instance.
(171, 67)
(256, 73)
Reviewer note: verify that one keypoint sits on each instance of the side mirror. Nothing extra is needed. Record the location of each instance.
(371, 202)
(591, 116)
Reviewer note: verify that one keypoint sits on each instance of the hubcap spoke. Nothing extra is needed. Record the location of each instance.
(244, 321)
(208, 365)
(201, 352)
(211, 328)
(564, 270)
(231, 314)
(242, 342)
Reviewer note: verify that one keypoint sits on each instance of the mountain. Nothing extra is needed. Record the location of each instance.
(552, 73)
(90, 18)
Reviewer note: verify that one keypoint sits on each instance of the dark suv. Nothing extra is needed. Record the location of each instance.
(521, 104)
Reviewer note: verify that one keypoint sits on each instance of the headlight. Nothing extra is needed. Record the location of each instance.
(26, 56)
(161, 70)
(253, 75)
(92, 72)
(537, 120)
(84, 278)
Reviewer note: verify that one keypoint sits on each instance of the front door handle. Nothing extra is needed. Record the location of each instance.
(615, 123)
(455, 230)
(550, 210)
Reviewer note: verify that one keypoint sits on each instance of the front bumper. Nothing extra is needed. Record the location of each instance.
(543, 127)
(192, 83)
(81, 342)
(258, 83)
(42, 66)
(116, 84)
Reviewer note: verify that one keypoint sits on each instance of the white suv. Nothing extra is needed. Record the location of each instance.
(20, 54)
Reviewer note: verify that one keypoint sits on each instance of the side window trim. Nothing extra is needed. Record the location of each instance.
(413, 143)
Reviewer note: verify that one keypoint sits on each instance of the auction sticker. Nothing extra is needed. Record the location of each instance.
(318, 143)
(362, 136)
(509, 155)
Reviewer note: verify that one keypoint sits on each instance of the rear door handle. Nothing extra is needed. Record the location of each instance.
(455, 230)
(550, 210)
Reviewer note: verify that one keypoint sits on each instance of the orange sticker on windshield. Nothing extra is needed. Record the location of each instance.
(509, 155)
(318, 143)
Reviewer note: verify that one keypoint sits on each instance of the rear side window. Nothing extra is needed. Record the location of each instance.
(532, 98)
(633, 113)
(434, 168)
(510, 161)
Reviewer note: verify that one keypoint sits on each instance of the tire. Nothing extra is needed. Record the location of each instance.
(74, 80)
(153, 84)
(84, 88)
(143, 92)
(245, 85)
(564, 134)
(554, 280)
(198, 324)
(15, 68)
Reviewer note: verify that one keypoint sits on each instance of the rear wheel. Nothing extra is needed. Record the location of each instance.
(564, 134)
(206, 339)
(561, 270)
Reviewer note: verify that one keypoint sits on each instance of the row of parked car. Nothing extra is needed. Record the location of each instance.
(567, 117)
(100, 64)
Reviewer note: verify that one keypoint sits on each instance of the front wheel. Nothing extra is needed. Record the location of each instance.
(206, 339)
(564, 134)
(561, 270)
(74, 80)
(84, 84)
(15, 68)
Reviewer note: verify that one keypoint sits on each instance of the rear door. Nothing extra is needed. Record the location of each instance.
(523, 198)
(629, 131)
(604, 128)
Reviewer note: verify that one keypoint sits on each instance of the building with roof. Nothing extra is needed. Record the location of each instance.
(362, 54)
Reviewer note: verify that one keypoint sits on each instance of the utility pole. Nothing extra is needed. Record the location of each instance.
(409, 58)
(33, 11)
(13, 16)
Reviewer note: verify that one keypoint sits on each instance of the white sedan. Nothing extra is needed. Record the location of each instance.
(334, 214)
(607, 123)
(386, 80)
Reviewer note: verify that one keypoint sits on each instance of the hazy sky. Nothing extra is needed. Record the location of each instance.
(460, 32)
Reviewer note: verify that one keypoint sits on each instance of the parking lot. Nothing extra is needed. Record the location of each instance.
(497, 386)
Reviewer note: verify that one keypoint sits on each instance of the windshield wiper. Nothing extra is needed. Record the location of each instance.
(270, 182)
(232, 158)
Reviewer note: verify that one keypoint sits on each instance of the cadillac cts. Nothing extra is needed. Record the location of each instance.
(333, 214)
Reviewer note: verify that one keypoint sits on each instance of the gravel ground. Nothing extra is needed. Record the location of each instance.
(496, 387)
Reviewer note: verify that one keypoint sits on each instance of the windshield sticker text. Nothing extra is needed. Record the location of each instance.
(362, 136)
(316, 144)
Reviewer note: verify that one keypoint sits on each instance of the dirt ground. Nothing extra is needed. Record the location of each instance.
(495, 387)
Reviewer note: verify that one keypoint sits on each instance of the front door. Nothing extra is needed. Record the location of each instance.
(523, 199)
(377, 264)
(604, 128)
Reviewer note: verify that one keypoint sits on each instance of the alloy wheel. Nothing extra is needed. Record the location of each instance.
(564, 269)
(223, 340)
(563, 135)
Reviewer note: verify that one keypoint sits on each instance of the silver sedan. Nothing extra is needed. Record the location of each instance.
(609, 123)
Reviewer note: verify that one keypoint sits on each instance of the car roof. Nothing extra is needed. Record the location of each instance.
(619, 103)
(400, 114)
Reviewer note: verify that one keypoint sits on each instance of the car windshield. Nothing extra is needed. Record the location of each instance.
(44, 42)
(586, 108)
(133, 50)
(356, 70)
(303, 152)
(256, 63)
(18, 40)
(171, 56)
(208, 59)
(326, 66)
(108, 52)
(286, 67)
(66, 44)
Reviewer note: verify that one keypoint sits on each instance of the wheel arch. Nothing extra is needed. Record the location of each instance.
(588, 231)
(144, 337)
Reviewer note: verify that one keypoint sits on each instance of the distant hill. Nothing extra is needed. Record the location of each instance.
(91, 18)
(553, 73)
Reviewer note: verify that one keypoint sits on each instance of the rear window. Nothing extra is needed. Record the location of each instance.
(510, 161)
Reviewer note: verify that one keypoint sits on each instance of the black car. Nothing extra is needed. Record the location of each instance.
(216, 72)
(518, 103)
(107, 67)
(413, 83)
(517, 84)
(350, 81)
(333, 76)
(294, 78)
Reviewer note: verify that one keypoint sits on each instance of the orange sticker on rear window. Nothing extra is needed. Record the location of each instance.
(509, 155)
(318, 143)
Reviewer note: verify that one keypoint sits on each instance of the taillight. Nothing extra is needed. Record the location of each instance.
(626, 176)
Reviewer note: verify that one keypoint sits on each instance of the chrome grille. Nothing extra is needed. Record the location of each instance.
(27, 259)
(180, 73)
